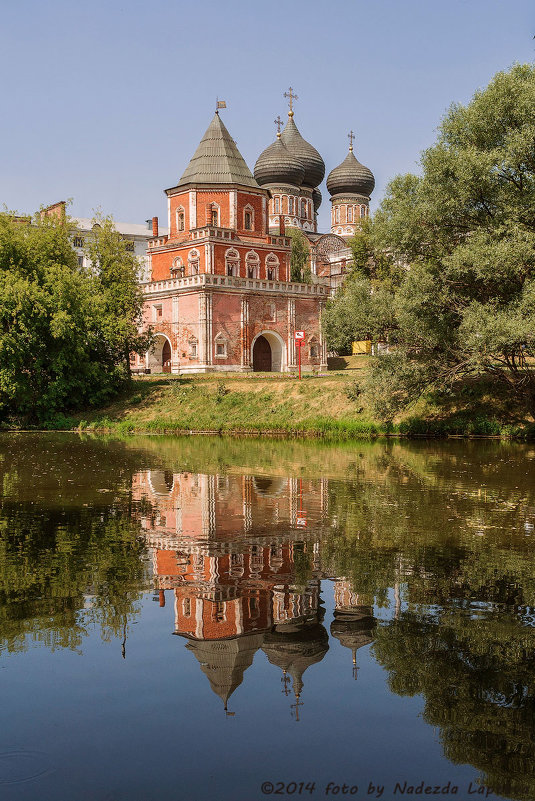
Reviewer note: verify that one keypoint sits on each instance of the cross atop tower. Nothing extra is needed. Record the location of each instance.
(351, 136)
(292, 97)
(278, 123)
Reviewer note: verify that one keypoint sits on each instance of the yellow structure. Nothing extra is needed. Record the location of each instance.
(363, 346)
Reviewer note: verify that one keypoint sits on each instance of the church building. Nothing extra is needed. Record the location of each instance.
(221, 296)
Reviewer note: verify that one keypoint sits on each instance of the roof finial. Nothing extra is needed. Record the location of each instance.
(278, 123)
(351, 136)
(292, 97)
(219, 104)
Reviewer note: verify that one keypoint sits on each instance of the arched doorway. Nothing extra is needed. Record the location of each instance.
(262, 355)
(268, 353)
(166, 357)
(159, 357)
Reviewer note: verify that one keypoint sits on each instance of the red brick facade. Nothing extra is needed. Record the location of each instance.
(221, 282)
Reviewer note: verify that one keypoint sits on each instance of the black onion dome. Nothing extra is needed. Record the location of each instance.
(277, 165)
(351, 177)
(305, 153)
(316, 198)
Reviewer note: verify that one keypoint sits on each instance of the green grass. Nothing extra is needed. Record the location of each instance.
(323, 406)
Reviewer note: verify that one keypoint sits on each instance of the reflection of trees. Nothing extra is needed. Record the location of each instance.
(475, 671)
(63, 573)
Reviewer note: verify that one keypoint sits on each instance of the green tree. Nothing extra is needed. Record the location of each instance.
(63, 329)
(117, 271)
(300, 256)
(465, 232)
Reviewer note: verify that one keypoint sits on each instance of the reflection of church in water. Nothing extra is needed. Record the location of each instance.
(241, 556)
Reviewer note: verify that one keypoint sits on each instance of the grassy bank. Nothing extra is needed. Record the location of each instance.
(325, 405)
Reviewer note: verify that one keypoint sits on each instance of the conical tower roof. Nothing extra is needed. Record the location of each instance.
(303, 152)
(277, 165)
(217, 160)
(225, 661)
(351, 177)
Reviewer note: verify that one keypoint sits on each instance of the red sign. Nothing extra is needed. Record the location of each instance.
(299, 337)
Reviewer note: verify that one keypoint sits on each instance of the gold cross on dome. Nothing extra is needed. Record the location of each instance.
(278, 123)
(292, 97)
(351, 136)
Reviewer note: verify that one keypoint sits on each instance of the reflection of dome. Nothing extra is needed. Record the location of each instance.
(305, 153)
(225, 661)
(269, 487)
(351, 177)
(353, 628)
(294, 651)
(277, 165)
(161, 481)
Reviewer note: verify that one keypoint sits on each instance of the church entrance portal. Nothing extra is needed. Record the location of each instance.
(262, 355)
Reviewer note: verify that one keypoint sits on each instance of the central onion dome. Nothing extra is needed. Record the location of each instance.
(304, 152)
(351, 177)
(276, 165)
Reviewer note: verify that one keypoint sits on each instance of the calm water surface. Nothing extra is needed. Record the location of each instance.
(233, 619)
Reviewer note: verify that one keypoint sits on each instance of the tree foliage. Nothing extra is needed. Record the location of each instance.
(300, 256)
(64, 330)
(465, 232)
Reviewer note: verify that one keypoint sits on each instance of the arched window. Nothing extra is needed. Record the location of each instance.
(248, 218)
(290, 205)
(220, 346)
(277, 205)
(272, 267)
(177, 268)
(180, 219)
(350, 213)
(193, 348)
(314, 350)
(212, 215)
(304, 208)
(363, 211)
(252, 263)
(337, 214)
(193, 262)
(232, 262)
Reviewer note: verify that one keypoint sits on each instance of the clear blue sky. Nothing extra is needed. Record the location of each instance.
(105, 101)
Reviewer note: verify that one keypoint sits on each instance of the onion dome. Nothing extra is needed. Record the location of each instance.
(350, 177)
(277, 165)
(304, 152)
(316, 198)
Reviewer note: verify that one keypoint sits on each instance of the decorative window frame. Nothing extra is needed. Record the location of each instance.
(277, 204)
(193, 348)
(363, 211)
(349, 214)
(304, 209)
(291, 204)
(313, 344)
(337, 214)
(210, 209)
(157, 312)
(193, 262)
(220, 340)
(78, 241)
(248, 209)
(180, 219)
(272, 264)
(177, 268)
(232, 262)
(252, 260)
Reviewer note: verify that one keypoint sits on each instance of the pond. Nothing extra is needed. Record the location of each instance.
(210, 618)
